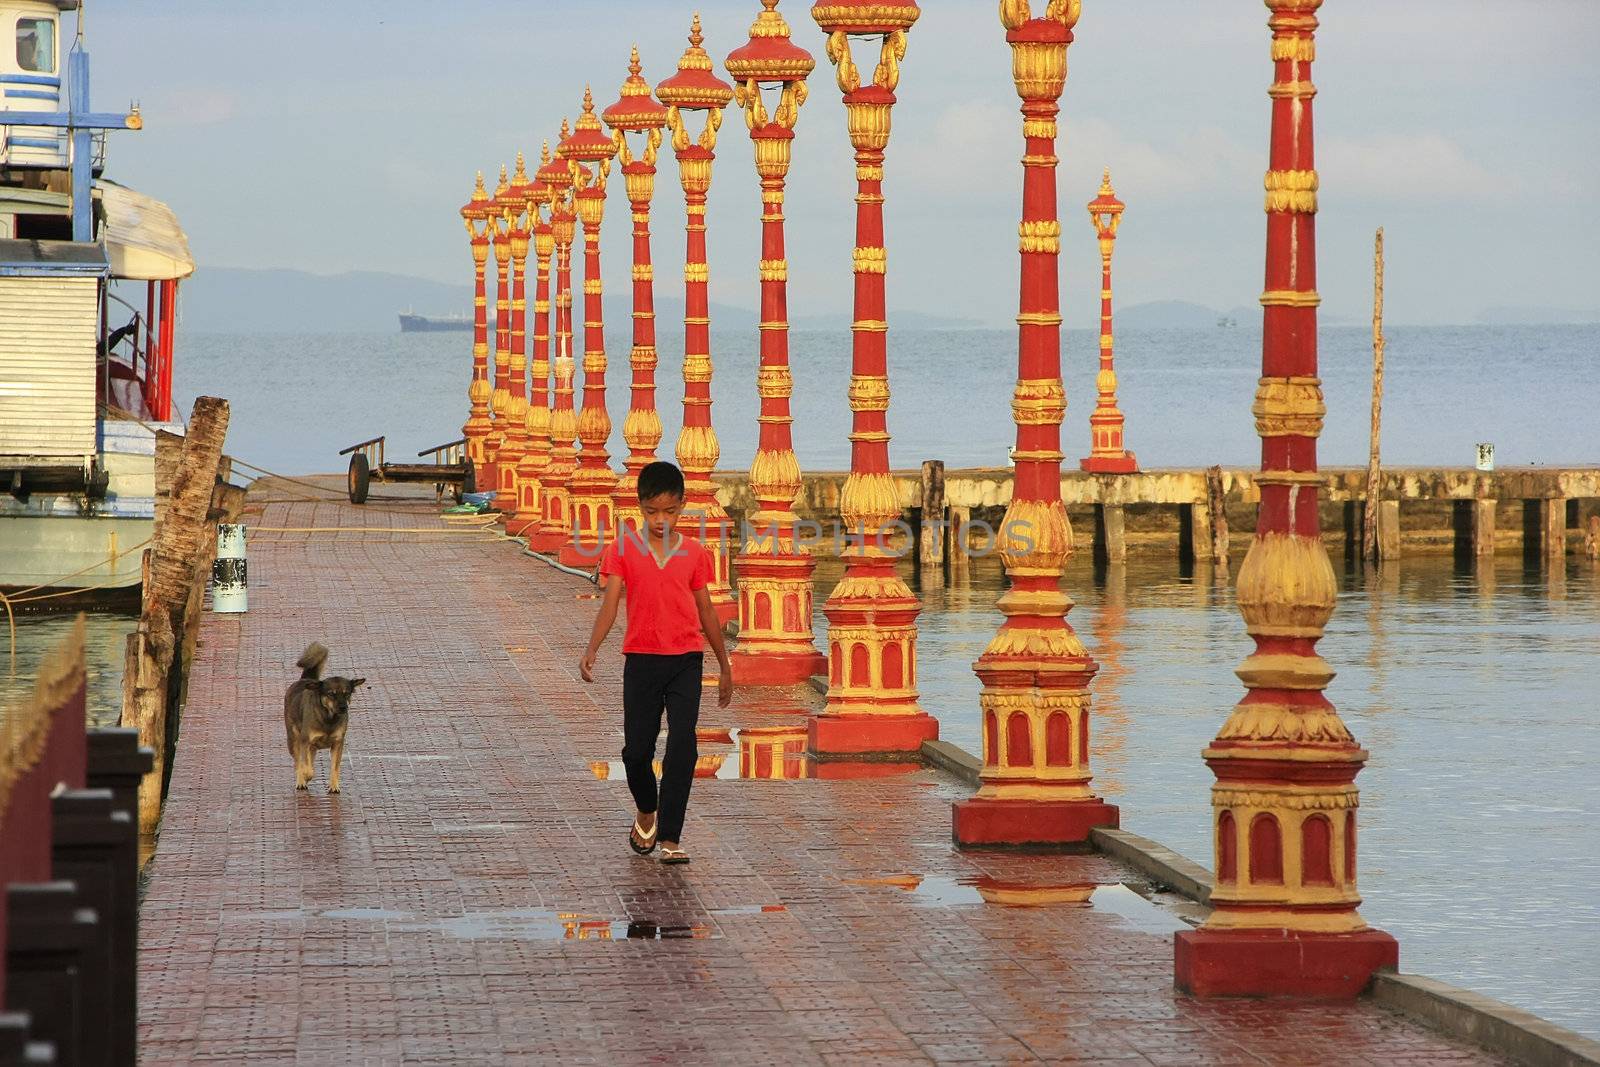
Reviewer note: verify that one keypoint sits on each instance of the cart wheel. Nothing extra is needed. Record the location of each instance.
(358, 479)
(469, 483)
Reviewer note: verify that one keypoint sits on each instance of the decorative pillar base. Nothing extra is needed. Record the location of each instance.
(983, 823)
(1280, 963)
(1123, 464)
(776, 668)
(852, 770)
(584, 556)
(874, 735)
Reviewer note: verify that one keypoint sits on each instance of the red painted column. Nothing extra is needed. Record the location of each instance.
(169, 325)
(1106, 452)
(1035, 702)
(515, 446)
(535, 422)
(695, 88)
(872, 703)
(636, 111)
(1284, 919)
(555, 526)
(152, 318)
(476, 430)
(500, 398)
(776, 644)
(593, 481)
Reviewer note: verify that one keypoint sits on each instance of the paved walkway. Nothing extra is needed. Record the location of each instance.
(470, 898)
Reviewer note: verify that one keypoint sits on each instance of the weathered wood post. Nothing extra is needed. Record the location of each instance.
(1369, 517)
(930, 548)
(1216, 516)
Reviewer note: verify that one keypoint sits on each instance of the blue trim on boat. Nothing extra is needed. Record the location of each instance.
(34, 94)
(32, 142)
(29, 79)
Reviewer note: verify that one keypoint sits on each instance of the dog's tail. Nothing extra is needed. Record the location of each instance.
(311, 661)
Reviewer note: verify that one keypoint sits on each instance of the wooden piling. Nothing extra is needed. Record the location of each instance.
(1216, 516)
(1483, 523)
(1591, 538)
(1369, 524)
(960, 561)
(930, 554)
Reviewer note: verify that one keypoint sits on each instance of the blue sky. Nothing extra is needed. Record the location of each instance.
(335, 137)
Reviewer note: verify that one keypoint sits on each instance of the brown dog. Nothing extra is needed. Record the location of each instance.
(316, 711)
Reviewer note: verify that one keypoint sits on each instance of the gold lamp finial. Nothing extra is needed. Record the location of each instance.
(696, 38)
(634, 66)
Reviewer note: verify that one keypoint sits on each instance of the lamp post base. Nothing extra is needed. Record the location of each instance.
(982, 823)
(1280, 963)
(871, 735)
(776, 668)
(1123, 464)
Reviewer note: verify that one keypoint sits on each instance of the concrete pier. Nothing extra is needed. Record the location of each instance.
(470, 897)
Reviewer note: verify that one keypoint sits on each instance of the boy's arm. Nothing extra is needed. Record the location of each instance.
(711, 626)
(602, 624)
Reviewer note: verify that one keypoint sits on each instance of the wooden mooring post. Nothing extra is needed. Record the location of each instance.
(1217, 516)
(1369, 518)
(934, 531)
(189, 504)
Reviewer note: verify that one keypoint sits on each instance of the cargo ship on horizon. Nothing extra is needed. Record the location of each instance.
(410, 323)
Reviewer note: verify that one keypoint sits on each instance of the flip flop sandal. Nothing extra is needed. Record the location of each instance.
(634, 836)
(673, 855)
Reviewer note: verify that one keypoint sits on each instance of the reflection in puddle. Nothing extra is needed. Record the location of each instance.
(769, 752)
(1118, 899)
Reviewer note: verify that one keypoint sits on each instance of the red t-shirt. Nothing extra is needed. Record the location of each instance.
(662, 617)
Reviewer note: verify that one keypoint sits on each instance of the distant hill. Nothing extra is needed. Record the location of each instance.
(233, 300)
(1166, 314)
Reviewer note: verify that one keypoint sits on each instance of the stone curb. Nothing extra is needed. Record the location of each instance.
(1494, 1024)
(952, 759)
(1182, 874)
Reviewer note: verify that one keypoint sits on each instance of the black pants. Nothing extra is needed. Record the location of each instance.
(649, 684)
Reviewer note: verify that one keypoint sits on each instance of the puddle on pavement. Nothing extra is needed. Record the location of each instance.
(540, 925)
(757, 752)
(1120, 900)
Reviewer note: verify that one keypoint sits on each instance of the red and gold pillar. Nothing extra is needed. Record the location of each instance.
(1034, 787)
(500, 399)
(776, 644)
(478, 425)
(636, 111)
(555, 527)
(593, 481)
(1106, 454)
(515, 446)
(695, 88)
(1284, 919)
(535, 467)
(872, 617)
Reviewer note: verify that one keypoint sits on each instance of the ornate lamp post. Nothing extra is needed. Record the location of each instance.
(500, 400)
(1035, 702)
(1284, 919)
(535, 437)
(872, 616)
(1106, 454)
(515, 445)
(695, 88)
(636, 111)
(593, 481)
(476, 430)
(776, 645)
(554, 527)
(535, 467)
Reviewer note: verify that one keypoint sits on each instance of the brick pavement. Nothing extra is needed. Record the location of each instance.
(470, 898)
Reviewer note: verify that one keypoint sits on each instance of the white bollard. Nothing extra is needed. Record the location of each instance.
(1485, 457)
(228, 592)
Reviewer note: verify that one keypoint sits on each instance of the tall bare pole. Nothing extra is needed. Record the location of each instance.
(1369, 519)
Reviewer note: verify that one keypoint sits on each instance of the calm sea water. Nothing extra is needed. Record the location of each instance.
(1474, 694)
(1531, 391)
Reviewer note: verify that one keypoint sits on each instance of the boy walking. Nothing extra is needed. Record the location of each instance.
(665, 575)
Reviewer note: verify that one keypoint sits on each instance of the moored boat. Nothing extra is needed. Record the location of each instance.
(86, 350)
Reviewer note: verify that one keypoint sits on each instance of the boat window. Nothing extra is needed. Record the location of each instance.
(36, 45)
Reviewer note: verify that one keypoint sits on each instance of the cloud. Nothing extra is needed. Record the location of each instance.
(1423, 167)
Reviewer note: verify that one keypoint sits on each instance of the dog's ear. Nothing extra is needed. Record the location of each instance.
(356, 683)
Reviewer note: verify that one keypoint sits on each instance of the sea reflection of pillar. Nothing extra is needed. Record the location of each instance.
(872, 616)
(515, 445)
(1106, 454)
(534, 471)
(594, 480)
(476, 215)
(636, 111)
(1035, 702)
(695, 88)
(554, 528)
(500, 398)
(1284, 919)
(776, 644)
